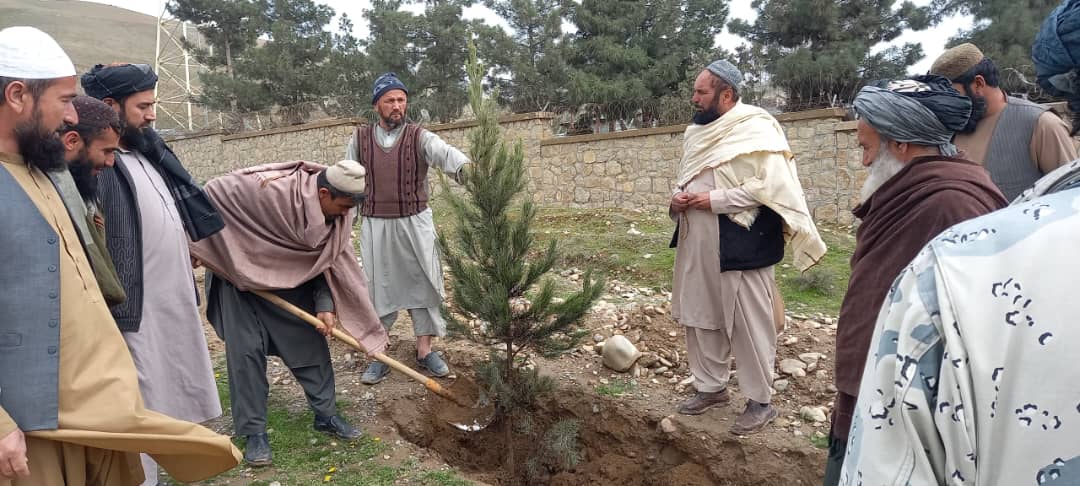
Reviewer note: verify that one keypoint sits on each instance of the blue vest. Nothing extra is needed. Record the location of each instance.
(29, 310)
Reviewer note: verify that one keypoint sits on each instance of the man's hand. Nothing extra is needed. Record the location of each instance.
(701, 200)
(13, 463)
(680, 202)
(329, 322)
(195, 263)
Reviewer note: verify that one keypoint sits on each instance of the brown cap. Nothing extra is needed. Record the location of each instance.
(954, 62)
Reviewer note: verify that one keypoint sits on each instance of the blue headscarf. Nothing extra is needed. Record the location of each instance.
(384, 83)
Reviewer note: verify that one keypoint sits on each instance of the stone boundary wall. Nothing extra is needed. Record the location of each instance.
(631, 169)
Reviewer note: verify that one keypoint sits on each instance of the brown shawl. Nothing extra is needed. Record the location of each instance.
(927, 196)
(276, 237)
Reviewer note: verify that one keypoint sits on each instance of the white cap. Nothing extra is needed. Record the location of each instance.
(347, 176)
(28, 53)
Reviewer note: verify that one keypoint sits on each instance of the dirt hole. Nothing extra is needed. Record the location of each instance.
(619, 446)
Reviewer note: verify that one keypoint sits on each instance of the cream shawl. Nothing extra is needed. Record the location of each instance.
(744, 130)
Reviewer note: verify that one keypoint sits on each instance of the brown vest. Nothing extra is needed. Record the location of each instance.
(396, 179)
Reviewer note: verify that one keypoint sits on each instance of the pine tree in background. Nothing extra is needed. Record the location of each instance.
(1004, 30)
(820, 52)
(496, 277)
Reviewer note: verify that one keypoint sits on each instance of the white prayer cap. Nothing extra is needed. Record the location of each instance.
(28, 53)
(347, 176)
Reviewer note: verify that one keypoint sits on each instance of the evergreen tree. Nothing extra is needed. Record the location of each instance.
(230, 27)
(1004, 30)
(289, 68)
(441, 73)
(349, 74)
(536, 64)
(494, 274)
(819, 51)
(627, 54)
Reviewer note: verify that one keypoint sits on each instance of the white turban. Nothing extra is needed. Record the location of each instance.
(347, 176)
(28, 53)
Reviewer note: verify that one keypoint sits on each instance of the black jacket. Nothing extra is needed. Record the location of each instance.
(759, 246)
(123, 228)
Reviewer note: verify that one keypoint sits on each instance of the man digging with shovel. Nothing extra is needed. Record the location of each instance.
(288, 230)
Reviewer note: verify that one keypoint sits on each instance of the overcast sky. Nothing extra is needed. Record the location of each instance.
(933, 40)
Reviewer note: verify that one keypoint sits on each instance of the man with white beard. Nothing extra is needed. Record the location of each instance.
(918, 185)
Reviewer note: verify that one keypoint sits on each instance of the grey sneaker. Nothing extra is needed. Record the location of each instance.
(703, 401)
(434, 363)
(375, 372)
(754, 418)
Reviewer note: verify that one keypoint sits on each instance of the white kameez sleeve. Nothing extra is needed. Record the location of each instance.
(351, 151)
(440, 154)
(909, 424)
(727, 201)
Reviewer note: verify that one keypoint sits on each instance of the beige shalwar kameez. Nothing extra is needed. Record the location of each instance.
(724, 313)
(103, 424)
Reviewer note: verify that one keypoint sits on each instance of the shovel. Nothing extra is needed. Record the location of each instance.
(394, 364)
(428, 382)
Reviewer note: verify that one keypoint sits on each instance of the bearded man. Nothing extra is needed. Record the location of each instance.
(916, 188)
(89, 147)
(972, 377)
(738, 199)
(397, 237)
(152, 208)
(70, 408)
(1016, 140)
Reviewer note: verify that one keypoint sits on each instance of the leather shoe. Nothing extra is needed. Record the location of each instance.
(703, 401)
(257, 450)
(754, 418)
(337, 426)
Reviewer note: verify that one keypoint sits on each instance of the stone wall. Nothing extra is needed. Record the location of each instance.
(633, 169)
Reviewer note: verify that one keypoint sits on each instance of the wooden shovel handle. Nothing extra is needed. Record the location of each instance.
(344, 337)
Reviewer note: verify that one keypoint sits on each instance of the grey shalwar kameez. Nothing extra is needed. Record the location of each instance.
(254, 328)
(169, 349)
(401, 261)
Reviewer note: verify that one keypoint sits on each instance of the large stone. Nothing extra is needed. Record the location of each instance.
(667, 425)
(811, 357)
(788, 366)
(813, 414)
(619, 353)
(781, 385)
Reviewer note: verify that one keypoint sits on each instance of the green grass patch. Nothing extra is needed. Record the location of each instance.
(441, 478)
(303, 456)
(601, 239)
(822, 288)
(819, 440)
(616, 387)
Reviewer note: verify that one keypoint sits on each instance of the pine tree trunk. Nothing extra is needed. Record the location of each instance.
(511, 477)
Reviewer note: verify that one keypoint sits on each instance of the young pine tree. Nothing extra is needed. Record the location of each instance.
(496, 275)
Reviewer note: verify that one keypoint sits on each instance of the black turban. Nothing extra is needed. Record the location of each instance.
(117, 81)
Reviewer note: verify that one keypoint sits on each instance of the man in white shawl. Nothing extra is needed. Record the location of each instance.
(738, 200)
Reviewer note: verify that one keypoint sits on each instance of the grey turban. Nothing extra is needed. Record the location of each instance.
(924, 110)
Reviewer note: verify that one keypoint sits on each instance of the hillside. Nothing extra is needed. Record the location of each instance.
(91, 33)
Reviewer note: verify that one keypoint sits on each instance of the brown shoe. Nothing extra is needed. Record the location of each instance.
(754, 418)
(702, 401)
